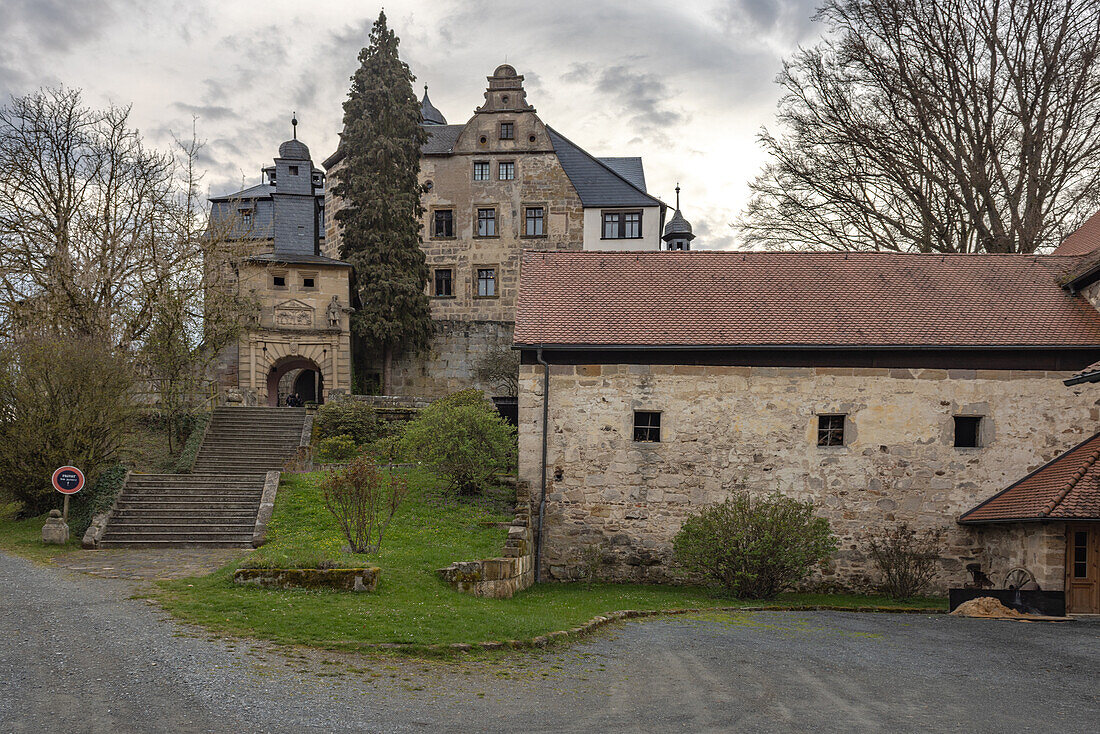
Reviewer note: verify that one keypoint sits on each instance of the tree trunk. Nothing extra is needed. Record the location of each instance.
(387, 370)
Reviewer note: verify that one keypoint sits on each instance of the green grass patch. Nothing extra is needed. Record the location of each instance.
(24, 537)
(411, 604)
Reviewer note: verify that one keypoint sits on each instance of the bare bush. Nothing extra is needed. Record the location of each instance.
(364, 499)
(905, 558)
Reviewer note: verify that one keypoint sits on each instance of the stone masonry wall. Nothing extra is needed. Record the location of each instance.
(724, 427)
(451, 363)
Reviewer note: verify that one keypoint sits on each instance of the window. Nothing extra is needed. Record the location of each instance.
(481, 170)
(678, 245)
(830, 430)
(622, 225)
(309, 282)
(486, 222)
(507, 131)
(279, 281)
(444, 223)
(1080, 554)
(535, 222)
(968, 431)
(443, 282)
(486, 282)
(647, 426)
(293, 170)
(507, 170)
(246, 218)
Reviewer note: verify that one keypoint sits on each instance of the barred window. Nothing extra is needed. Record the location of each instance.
(830, 430)
(647, 426)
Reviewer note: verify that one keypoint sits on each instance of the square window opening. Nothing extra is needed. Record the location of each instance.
(507, 171)
(968, 431)
(830, 430)
(309, 283)
(486, 222)
(444, 224)
(647, 426)
(535, 217)
(443, 282)
(481, 170)
(486, 282)
(293, 170)
(279, 281)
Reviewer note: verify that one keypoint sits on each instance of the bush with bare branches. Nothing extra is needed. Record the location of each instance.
(363, 498)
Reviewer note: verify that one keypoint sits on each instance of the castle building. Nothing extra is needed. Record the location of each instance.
(300, 341)
(498, 184)
(887, 388)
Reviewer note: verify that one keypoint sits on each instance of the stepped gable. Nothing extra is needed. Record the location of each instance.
(1067, 488)
(799, 300)
(217, 503)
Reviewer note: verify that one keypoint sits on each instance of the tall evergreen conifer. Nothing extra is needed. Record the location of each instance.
(380, 221)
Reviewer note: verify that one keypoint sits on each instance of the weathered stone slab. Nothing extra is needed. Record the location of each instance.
(344, 579)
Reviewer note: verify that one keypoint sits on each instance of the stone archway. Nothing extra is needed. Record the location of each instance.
(303, 376)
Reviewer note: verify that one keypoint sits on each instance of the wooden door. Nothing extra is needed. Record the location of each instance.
(1083, 568)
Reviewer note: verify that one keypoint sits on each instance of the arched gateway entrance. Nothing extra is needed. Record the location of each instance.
(292, 375)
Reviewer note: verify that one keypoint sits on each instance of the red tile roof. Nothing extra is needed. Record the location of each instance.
(1067, 488)
(1083, 240)
(799, 299)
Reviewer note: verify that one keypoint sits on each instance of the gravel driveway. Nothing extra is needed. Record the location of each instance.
(78, 655)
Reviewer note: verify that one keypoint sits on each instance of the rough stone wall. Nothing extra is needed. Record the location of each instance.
(724, 427)
(451, 363)
(1038, 547)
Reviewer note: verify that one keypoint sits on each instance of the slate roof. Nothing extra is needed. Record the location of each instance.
(428, 112)
(1083, 240)
(442, 139)
(260, 191)
(1067, 488)
(597, 184)
(799, 299)
(678, 225)
(285, 258)
(294, 150)
(629, 168)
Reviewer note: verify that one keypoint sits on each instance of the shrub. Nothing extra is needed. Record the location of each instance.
(463, 438)
(190, 450)
(755, 547)
(905, 558)
(63, 400)
(363, 499)
(336, 450)
(348, 418)
(95, 499)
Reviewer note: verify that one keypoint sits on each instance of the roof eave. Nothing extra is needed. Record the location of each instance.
(576, 347)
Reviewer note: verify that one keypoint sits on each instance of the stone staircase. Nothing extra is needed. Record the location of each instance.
(216, 505)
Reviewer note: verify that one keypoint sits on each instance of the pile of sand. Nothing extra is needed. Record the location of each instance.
(986, 607)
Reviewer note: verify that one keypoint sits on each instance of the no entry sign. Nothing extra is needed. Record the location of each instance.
(68, 480)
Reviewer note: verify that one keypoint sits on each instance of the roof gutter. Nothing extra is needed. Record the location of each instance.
(545, 433)
(573, 347)
(1002, 521)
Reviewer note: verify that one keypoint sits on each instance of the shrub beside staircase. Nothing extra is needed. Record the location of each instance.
(217, 504)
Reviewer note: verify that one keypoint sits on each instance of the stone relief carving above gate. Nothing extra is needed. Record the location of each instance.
(294, 314)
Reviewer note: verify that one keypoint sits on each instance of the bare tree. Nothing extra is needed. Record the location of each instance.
(947, 126)
(499, 368)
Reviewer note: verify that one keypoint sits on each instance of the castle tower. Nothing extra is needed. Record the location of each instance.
(678, 234)
(429, 115)
(297, 185)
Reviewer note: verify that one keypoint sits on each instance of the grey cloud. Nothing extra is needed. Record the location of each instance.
(790, 20)
(645, 96)
(207, 112)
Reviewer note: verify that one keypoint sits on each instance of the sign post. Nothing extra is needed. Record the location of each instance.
(67, 480)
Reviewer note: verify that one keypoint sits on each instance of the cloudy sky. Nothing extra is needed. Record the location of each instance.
(686, 85)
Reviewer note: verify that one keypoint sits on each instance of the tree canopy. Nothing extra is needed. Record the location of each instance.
(947, 126)
(377, 181)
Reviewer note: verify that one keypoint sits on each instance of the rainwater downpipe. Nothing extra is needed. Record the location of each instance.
(545, 430)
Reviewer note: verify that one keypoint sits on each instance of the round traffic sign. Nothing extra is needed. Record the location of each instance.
(68, 480)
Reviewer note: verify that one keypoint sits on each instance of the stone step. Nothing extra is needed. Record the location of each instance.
(193, 493)
(154, 515)
(182, 507)
(184, 526)
(146, 543)
(177, 535)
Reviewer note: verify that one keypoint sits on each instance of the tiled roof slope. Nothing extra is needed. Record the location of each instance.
(442, 139)
(629, 168)
(698, 299)
(1083, 240)
(1067, 488)
(597, 184)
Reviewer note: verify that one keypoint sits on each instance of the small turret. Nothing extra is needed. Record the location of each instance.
(429, 115)
(678, 234)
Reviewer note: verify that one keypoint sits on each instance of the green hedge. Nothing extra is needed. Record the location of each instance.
(191, 448)
(96, 499)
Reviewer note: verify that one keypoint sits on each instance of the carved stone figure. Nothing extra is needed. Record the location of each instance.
(334, 311)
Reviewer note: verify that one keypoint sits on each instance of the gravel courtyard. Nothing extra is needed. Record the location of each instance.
(77, 654)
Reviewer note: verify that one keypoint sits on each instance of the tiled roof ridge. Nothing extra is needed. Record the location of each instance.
(1056, 500)
(606, 167)
(1038, 256)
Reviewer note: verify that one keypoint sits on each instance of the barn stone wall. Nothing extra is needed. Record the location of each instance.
(755, 427)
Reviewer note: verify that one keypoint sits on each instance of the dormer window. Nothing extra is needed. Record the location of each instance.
(293, 170)
(622, 225)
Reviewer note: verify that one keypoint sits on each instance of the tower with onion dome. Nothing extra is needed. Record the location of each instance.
(678, 234)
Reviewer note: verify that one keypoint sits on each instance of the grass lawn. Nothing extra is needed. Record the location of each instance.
(411, 605)
(24, 537)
